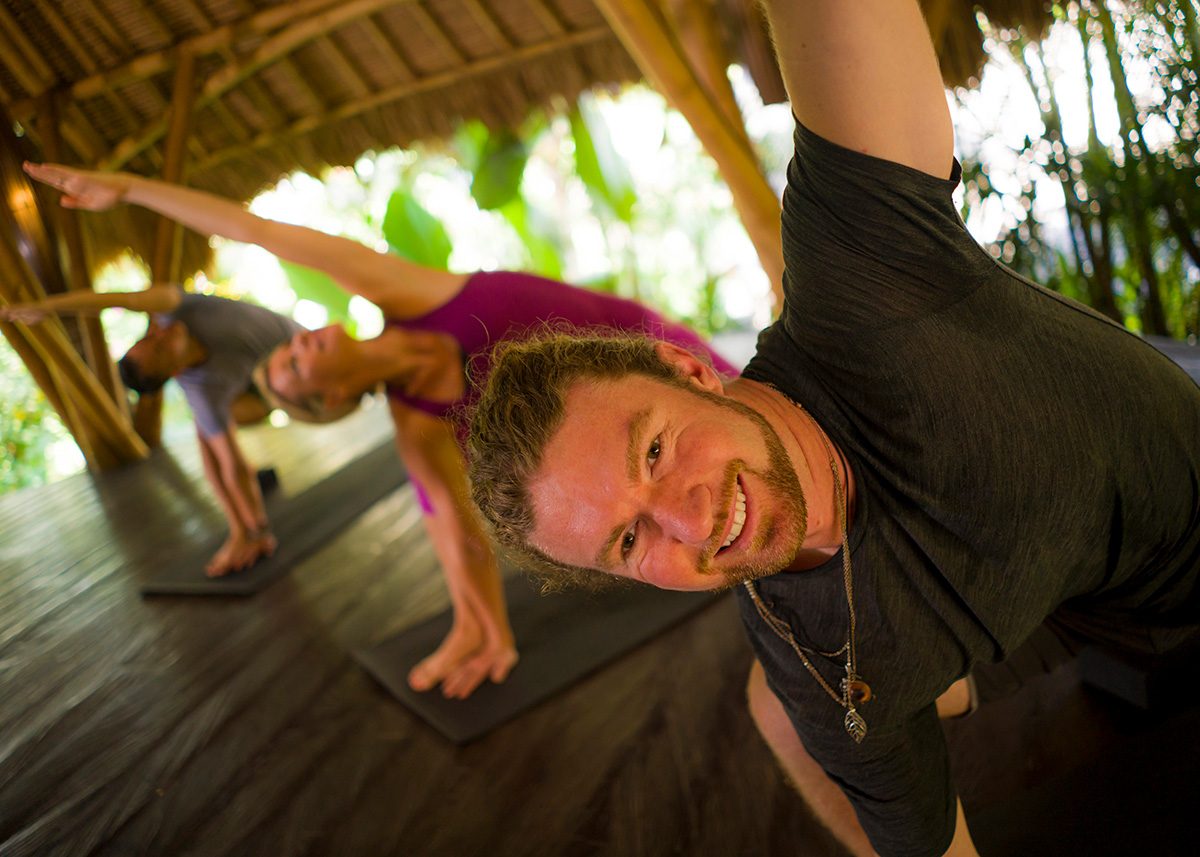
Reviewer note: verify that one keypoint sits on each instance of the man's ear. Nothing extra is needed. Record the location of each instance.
(690, 367)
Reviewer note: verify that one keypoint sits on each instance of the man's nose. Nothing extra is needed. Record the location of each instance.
(684, 511)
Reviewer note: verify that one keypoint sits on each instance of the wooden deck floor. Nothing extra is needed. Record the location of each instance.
(200, 726)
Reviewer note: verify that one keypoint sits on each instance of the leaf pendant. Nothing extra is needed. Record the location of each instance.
(856, 727)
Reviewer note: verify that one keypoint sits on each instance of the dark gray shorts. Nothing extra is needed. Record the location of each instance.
(1061, 638)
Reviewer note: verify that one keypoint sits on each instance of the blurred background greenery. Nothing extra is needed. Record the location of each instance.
(1080, 171)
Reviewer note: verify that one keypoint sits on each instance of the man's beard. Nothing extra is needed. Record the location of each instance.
(787, 529)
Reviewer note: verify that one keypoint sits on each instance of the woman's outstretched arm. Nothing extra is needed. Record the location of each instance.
(401, 289)
(480, 644)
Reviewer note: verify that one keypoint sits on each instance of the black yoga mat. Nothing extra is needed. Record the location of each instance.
(561, 637)
(301, 524)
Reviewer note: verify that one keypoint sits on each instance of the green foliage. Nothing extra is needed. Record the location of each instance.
(598, 164)
(1132, 199)
(319, 288)
(537, 237)
(415, 234)
(28, 426)
(497, 176)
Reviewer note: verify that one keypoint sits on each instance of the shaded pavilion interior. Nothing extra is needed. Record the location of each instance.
(243, 726)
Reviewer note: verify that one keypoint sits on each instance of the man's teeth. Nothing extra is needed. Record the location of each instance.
(739, 517)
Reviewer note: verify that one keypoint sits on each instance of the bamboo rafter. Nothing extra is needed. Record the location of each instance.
(665, 64)
(404, 90)
(437, 34)
(270, 51)
(489, 24)
(156, 62)
(549, 18)
(343, 66)
(388, 47)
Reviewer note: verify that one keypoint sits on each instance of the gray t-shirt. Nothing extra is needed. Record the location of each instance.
(1015, 454)
(236, 335)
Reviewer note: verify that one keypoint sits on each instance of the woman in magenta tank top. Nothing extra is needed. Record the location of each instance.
(438, 325)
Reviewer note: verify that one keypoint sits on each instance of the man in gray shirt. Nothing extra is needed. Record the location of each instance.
(210, 346)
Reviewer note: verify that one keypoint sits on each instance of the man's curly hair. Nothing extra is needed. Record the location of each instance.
(521, 407)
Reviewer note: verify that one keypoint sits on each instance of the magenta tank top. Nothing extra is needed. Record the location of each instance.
(495, 306)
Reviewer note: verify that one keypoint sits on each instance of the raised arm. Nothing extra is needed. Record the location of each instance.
(863, 74)
(152, 300)
(401, 289)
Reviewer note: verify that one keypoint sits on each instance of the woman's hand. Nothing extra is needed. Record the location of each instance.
(478, 647)
(23, 313)
(84, 189)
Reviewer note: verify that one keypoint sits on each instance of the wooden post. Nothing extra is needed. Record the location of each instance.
(78, 278)
(164, 266)
(658, 54)
(696, 23)
(26, 262)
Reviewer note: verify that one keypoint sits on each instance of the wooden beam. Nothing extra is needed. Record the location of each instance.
(344, 66)
(99, 21)
(549, 18)
(65, 34)
(696, 23)
(90, 413)
(81, 390)
(164, 267)
(25, 75)
(156, 62)
(93, 418)
(270, 51)
(388, 47)
(95, 345)
(664, 63)
(437, 34)
(488, 65)
(32, 61)
(937, 18)
(489, 24)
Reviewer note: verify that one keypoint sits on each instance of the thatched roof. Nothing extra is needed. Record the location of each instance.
(287, 84)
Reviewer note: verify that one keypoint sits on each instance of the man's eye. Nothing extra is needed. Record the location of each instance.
(627, 541)
(655, 450)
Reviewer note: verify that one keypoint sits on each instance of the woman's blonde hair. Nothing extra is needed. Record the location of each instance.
(309, 410)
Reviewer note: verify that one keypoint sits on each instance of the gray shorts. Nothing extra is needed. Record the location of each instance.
(1061, 638)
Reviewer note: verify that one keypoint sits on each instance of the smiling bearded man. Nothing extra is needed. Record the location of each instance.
(726, 504)
(985, 469)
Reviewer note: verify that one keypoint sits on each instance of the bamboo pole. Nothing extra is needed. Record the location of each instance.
(477, 68)
(165, 262)
(164, 267)
(696, 23)
(78, 278)
(85, 408)
(156, 62)
(271, 50)
(92, 416)
(659, 56)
